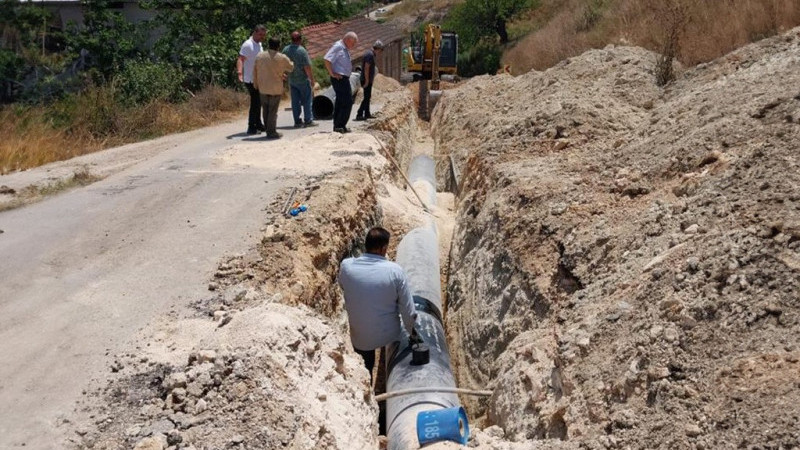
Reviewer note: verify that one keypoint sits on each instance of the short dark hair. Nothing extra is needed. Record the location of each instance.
(259, 27)
(297, 37)
(376, 239)
(274, 43)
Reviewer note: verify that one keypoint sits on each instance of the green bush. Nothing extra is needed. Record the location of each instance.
(10, 67)
(108, 37)
(321, 75)
(141, 82)
(484, 57)
(208, 60)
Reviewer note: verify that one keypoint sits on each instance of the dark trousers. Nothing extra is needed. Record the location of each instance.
(363, 110)
(254, 118)
(369, 360)
(270, 104)
(344, 101)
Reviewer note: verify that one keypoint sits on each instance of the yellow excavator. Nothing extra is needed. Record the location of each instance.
(431, 55)
(422, 58)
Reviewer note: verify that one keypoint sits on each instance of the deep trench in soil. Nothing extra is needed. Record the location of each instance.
(443, 214)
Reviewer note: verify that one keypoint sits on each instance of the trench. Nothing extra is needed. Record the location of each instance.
(423, 252)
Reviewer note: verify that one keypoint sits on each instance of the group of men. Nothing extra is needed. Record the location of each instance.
(264, 72)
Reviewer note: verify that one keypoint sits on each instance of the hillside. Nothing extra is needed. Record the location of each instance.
(698, 31)
(553, 30)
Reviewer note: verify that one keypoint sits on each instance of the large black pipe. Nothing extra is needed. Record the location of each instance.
(418, 254)
(322, 105)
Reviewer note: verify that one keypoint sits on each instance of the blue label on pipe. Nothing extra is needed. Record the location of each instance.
(449, 424)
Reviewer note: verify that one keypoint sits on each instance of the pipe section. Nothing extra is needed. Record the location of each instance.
(322, 105)
(422, 173)
(418, 254)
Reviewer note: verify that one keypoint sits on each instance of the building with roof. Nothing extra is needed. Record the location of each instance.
(320, 37)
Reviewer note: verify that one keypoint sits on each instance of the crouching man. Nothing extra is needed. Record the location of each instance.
(376, 297)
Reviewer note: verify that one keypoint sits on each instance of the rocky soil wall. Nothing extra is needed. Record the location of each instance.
(625, 269)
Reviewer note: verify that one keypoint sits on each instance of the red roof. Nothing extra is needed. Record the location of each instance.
(320, 37)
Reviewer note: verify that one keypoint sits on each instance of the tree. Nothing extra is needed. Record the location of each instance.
(476, 19)
(203, 36)
(108, 38)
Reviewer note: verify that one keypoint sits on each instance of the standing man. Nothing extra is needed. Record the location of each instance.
(268, 74)
(244, 66)
(340, 66)
(376, 296)
(368, 72)
(301, 82)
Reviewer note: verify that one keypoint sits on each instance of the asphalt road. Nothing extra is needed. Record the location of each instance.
(83, 271)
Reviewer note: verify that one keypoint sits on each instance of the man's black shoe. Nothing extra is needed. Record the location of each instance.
(261, 128)
(340, 130)
(360, 118)
(298, 125)
(274, 135)
(252, 131)
(310, 124)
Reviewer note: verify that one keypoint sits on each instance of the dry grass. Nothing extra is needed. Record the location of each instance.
(712, 29)
(92, 121)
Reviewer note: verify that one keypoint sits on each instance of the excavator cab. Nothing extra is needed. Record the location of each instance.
(420, 57)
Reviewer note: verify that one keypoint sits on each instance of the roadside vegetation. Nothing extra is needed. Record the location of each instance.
(483, 33)
(93, 119)
(69, 92)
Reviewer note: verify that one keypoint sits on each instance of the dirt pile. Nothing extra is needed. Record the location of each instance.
(286, 377)
(626, 260)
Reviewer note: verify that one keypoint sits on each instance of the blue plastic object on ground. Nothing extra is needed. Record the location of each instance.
(448, 424)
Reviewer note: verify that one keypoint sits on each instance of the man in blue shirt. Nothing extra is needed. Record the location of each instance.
(301, 81)
(340, 66)
(376, 296)
(367, 78)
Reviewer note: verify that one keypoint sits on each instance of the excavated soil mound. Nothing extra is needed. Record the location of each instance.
(625, 269)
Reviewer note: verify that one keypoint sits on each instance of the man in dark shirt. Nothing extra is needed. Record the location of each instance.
(367, 78)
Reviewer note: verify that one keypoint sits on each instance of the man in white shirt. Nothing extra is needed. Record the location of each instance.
(376, 296)
(244, 66)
